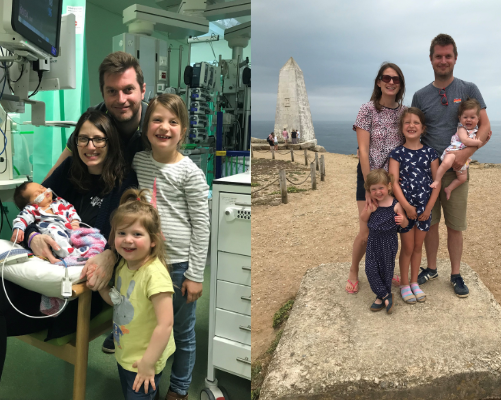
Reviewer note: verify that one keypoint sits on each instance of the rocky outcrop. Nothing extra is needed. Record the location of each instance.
(333, 347)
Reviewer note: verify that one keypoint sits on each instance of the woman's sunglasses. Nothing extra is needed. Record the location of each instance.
(388, 79)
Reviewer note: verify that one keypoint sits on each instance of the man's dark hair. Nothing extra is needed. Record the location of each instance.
(19, 200)
(443, 40)
(117, 63)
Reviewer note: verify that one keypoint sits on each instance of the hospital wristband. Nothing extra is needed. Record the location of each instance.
(31, 238)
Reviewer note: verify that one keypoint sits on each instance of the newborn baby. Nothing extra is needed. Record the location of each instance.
(56, 218)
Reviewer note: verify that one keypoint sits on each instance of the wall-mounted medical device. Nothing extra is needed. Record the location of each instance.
(30, 32)
(32, 26)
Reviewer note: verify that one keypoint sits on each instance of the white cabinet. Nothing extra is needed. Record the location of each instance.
(230, 306)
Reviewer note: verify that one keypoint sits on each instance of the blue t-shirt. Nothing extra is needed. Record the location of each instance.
(441, 121)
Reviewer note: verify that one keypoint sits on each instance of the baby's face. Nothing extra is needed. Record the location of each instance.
(33, 190)
(469, 118)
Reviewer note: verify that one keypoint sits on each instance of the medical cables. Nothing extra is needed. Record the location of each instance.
(65, 284)
(65, 279)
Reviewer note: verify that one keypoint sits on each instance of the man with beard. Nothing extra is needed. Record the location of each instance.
(440, 102)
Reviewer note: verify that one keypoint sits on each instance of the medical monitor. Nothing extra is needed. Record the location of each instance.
(39, 22)
(31, 26)
(62, 73)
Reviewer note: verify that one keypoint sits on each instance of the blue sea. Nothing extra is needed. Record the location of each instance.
(338, 137)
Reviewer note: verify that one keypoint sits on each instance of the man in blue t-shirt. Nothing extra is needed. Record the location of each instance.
(440, 101)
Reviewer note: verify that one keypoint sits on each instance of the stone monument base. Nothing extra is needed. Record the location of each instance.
(334, 347)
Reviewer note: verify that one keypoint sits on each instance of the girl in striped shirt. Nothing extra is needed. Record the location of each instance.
(180, 194)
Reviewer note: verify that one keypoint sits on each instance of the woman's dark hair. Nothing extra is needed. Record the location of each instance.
(114, 165)
(377, 93)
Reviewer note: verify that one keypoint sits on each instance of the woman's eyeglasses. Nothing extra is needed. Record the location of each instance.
(83, 141)
(388, 79)
(443, 97)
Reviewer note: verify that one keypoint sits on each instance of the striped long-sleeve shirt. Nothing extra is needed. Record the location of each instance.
(182, 193)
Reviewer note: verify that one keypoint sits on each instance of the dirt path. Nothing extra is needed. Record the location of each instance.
(319, 227)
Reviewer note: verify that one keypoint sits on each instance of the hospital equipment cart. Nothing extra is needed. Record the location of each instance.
(230, 287)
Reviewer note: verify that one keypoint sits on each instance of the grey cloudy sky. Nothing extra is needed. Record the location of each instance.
(340, 45)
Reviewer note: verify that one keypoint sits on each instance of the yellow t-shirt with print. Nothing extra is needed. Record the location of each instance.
(134, 319)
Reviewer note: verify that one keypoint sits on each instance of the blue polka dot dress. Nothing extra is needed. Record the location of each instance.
(415, 175)
(382, 246)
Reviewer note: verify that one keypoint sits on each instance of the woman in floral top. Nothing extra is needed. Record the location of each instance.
(378, 133)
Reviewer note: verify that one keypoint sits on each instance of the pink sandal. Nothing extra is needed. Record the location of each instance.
(354, 286)
(396, 281)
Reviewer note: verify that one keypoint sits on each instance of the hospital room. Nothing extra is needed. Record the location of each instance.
(125, 210)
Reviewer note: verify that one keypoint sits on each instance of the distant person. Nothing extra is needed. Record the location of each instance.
(271, 141)
(275, 141)
(414, 166)
(298, 136)
(285, 134)
(440, 101)
(377, 135)
(294, 136)
(466, 136)
(382, 216)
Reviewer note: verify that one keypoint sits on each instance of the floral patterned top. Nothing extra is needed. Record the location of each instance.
(384, 130)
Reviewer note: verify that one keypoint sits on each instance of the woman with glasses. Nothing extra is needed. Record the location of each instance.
(93, 180)
(377, 128)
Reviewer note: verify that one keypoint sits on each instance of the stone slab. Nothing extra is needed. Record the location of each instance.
(334, 347)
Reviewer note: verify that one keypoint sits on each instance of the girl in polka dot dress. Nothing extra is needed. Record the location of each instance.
(414, 167)
(382, 243)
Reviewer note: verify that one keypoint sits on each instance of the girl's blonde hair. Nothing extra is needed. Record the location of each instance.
(377, 176)
(135, 207)
(415, 111)
(176, 106)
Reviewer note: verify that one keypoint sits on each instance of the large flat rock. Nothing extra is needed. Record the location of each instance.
(334, 347)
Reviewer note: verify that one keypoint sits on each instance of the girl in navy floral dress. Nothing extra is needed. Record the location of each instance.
(414, 167)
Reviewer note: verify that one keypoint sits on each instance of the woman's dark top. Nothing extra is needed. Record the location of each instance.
(95, 210)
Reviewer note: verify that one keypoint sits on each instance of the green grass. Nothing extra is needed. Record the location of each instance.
(275, 192)
(255, 394)
(254, 184)
(259, 368)
(293, 189)
(275, 342)
(282, 314)
(256, 369)
(256, 379)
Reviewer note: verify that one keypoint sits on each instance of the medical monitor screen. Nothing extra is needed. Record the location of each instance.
(38, 21)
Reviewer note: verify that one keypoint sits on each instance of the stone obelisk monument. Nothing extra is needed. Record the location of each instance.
(293, 108)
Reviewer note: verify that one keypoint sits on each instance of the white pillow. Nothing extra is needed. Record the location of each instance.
(37, 275)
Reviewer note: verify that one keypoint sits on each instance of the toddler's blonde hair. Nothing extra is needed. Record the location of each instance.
(135, 207)
(378, 176)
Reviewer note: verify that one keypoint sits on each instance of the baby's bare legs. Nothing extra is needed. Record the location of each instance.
(461, 178)
(442, 169)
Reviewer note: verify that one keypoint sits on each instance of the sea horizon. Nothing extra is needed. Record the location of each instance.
(339, 137)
